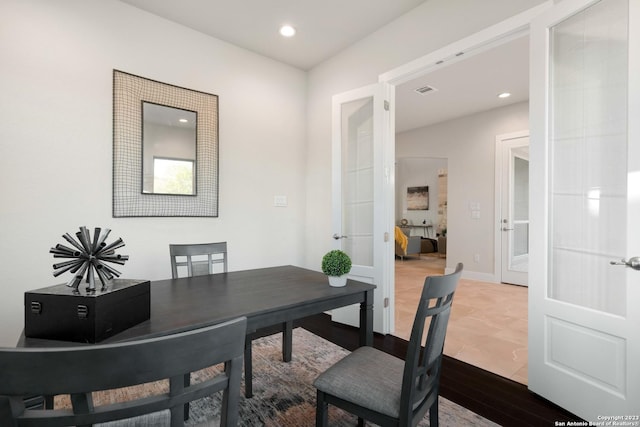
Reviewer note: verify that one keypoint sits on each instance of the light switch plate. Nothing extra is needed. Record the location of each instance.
(280, 201)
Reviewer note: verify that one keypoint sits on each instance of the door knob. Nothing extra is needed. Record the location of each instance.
(506, 229)
(337, 237)
(633, 262)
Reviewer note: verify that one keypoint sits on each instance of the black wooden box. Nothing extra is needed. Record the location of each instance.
(57, 313)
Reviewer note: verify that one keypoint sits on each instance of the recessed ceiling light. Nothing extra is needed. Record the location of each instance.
(504, 95)
(183, 121)
(287, 31)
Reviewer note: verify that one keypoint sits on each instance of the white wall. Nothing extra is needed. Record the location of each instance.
(427, 28)
(469, 144)
(275, 131)
(56, 141)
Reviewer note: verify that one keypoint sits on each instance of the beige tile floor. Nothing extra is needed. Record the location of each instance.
(488, 325)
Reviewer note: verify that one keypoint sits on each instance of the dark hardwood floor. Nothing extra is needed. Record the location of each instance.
(498, 399)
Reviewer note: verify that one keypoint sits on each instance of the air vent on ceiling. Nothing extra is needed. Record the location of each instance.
(425, 90)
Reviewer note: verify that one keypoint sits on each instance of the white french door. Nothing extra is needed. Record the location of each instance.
(512, 165)
(362, 190)
(584, 313)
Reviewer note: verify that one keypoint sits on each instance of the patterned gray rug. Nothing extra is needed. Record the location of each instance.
(283, 393)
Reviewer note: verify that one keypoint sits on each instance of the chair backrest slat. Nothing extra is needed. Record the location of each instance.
(79, 370)
(216, 253)
(421, 377)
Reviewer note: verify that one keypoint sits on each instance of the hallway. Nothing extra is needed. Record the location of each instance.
(488, 325)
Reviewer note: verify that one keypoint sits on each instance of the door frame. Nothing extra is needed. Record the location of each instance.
(495, 35)
(499, 199)
(490, 37)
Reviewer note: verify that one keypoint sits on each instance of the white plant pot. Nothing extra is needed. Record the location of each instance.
(338, 281)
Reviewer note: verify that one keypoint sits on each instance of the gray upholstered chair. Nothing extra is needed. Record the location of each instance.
(200, 259)
(384, 389)
(80, 370)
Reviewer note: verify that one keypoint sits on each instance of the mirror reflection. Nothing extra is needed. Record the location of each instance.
(168, 150)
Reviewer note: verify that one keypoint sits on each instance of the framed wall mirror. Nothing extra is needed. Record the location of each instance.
(165, 149)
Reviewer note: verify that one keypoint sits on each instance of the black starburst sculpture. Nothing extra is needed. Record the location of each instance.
(89, 256)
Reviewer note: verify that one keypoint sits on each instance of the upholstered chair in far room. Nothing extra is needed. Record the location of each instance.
(385, 390)
(200, 259)
(406, 245)
(80, 370)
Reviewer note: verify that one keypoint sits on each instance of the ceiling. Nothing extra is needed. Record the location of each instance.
(466, 87)
(324, 28)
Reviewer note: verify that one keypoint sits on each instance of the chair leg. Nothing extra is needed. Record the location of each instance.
(248, 368)
(360, 422)
(187, 383)
(433, 414)
(231, 395)
(322, 409)
(287, 341)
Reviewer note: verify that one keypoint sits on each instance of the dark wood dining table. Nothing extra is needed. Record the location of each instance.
(266, 296)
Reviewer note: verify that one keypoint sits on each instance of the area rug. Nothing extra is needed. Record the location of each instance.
(283, 393)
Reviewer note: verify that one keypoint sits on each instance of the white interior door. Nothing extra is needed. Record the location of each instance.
(362, 188)
(584, 318)
(513, 231)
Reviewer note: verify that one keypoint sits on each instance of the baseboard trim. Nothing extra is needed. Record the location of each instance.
(474, 275)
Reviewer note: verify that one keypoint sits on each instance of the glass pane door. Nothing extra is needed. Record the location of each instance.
(360, 208)
(588, 154)
(357, 180)
(519, 248)
(512, 159)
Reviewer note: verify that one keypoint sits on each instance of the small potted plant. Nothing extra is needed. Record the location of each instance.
(336, 264)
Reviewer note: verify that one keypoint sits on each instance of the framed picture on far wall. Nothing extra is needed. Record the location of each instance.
(418, 198)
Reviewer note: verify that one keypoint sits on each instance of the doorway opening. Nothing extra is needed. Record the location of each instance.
(488, 327)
